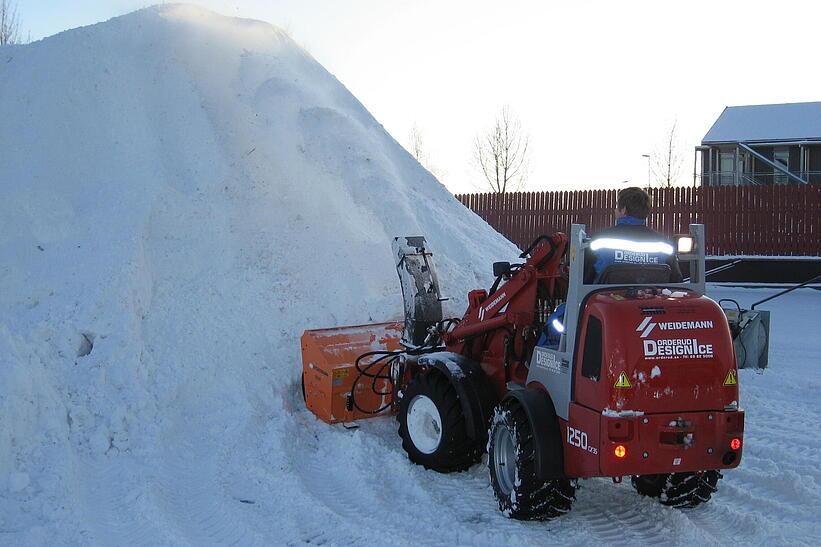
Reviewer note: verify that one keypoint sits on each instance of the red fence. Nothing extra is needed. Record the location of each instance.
(773, 220)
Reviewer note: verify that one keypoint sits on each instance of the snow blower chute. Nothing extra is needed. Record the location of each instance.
(557, 379)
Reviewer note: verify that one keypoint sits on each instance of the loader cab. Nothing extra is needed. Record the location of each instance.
(554, 367)
(633, 258)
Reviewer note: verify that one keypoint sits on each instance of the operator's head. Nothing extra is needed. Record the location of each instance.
(634, 202)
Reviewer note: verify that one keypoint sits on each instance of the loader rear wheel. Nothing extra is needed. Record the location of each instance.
(512, 463)
(678, 489)
(432, 425)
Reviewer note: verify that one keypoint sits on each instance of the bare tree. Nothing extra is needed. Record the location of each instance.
(501, 153)
(9, 23)
(666, 161)
(416, 145)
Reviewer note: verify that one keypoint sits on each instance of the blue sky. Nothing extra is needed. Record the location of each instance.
(596, 83)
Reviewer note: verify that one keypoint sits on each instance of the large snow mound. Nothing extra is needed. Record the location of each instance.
(182, 195)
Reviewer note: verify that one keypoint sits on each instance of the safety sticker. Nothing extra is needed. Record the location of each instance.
(731, 379)
(341, 373)
(622, 381)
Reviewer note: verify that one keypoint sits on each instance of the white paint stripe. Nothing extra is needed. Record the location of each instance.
(643, 324)
(648, 330)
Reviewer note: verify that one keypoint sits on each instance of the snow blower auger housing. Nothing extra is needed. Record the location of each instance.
(559, 380)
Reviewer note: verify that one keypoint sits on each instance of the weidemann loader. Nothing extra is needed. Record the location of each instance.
(557, 380)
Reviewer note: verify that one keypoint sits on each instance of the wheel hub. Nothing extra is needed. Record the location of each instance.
(424, 424)
(504, 459)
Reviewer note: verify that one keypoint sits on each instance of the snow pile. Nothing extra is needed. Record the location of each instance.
(183, 194)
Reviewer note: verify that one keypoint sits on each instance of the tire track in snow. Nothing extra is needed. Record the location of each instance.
(193, 495)
(461, 507)
(380, 485)
(725, 522)
(618, 515)
(117, 502)
(334, 479)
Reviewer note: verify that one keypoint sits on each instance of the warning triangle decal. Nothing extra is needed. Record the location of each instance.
(623, 382)
(731, 379)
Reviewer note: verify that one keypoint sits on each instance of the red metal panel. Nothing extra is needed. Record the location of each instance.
(777, 219)
(732, 221)
(531, 212)
(767, 224)
(757, 211)
(597, 210)
(517, 220)
(558, 210)
(706, 218)
(787, 220)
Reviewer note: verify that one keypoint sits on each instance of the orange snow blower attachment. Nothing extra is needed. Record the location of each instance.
(329, 370)
(350, 373)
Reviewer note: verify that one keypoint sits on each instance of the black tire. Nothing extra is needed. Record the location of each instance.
(526, 497)
(454, 450)
(682, 490)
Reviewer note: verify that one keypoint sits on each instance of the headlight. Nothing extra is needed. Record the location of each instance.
(685, 245)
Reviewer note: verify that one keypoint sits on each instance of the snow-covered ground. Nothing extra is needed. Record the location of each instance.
(273, 474)
(182, 195)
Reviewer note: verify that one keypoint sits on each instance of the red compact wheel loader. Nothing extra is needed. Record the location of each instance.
(636, 377)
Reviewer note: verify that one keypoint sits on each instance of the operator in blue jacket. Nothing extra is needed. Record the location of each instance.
(630, 241)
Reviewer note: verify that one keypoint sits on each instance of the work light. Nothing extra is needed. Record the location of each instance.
(685, 244)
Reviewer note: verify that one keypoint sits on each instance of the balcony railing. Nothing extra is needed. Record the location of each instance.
(728, 178)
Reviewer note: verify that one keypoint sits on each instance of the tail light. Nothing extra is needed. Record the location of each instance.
(735, 443)
(620, 451)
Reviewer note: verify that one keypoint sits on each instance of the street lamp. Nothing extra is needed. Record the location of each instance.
(648, 168)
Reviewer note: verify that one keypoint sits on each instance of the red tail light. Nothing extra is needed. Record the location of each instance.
(620, 451)
(735, 444)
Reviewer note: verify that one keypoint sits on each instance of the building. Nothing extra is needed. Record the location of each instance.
(762, 144)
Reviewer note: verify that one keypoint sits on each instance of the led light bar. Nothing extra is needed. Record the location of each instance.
(632, 246)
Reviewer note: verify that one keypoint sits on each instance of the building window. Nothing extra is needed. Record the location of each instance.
(726, 167)
(781, 156)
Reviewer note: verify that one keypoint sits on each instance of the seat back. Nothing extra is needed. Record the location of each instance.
(642, 274)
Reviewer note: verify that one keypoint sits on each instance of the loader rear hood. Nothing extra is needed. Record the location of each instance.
(662, 351)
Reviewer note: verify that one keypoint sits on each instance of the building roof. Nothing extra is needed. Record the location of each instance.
(767, 123)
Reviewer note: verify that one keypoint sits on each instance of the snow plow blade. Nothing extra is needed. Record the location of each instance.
(329, 371)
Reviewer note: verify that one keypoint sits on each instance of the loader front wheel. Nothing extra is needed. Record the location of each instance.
(678, 489)
(432, 425)
(512, 464)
